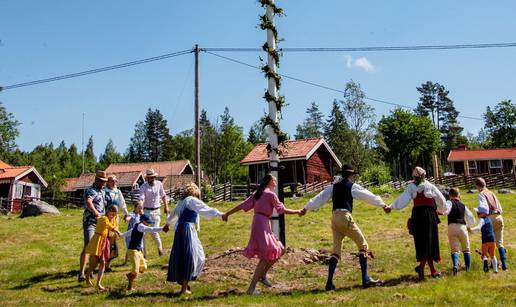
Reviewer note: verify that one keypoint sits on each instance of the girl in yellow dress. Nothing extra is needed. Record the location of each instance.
(98, 248)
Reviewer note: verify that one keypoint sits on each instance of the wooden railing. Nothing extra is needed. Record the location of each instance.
(492, 180)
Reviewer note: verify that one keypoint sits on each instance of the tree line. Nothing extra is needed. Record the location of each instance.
(379, 149)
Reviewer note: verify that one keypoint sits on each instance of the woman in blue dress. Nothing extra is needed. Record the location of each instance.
(187, 255)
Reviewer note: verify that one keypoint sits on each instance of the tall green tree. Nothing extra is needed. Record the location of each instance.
(500, 124)
(313, 125)
(257, 133)
(90, 161)
(138, 147)
(233, 148)
(337, 132)
(109, 156)
(410, 140)
(184, 145)
(8, 133)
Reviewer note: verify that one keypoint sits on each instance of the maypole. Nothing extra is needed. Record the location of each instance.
(274, 100)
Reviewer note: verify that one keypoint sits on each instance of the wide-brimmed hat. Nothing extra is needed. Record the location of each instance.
(112, 177)
(150, 173)
(101, 175)
(347, 170)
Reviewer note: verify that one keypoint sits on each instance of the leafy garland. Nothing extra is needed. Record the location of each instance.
(266, 24)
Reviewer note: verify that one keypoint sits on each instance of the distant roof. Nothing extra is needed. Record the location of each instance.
(164, 168)
(18, 172)
(125, 179)
(295, 150)
(482, 154)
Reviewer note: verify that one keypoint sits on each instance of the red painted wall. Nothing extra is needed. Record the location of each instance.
(318, 166)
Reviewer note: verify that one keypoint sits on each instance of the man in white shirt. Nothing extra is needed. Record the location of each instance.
(151, 196)
(342, 192)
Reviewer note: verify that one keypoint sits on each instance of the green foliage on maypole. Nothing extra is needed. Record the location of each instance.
(279, 101)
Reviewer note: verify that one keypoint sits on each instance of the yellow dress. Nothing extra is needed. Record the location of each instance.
(97, 242)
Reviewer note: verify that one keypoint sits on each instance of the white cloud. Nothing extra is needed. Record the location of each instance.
(361, 62)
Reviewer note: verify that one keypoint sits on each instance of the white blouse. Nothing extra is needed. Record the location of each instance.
(428, 189)
(357, 191)
(194, 204)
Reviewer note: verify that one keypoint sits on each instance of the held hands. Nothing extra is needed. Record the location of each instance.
(127, 218)
(302, 212)
(225, 217)
(166, 228)
(469, 229)
(387, 209)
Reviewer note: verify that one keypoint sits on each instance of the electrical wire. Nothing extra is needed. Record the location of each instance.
(322, 86)
(98, 70)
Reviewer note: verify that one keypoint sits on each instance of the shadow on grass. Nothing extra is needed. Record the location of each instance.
(44, 278)
(118, 294)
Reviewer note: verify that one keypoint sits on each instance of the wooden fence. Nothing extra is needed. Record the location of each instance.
(492, 180)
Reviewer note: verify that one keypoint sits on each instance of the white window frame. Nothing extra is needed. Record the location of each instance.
(472, 170)
(496, 167)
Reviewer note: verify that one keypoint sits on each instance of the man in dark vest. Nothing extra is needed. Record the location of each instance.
(342, 192)
(458, 216)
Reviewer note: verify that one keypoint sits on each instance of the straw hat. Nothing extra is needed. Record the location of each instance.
(112, 177)
(101, 175)
(150, 173)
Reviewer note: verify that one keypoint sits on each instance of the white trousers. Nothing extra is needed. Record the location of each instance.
(156, 216)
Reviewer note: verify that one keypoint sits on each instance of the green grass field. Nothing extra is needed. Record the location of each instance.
(39, 263)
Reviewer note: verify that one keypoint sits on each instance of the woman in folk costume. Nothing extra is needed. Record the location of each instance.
(263, 243)
(114, 197)
(424, 220)
(187, 255)
(488, 199)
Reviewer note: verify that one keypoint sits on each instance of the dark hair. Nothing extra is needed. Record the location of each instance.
(263, 184)
(454, 192)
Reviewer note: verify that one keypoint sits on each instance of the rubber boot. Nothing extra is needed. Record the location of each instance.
(331, 270)
(503, 257)
(467, 260)
(455, 261)
(366, 280)
(494, 262)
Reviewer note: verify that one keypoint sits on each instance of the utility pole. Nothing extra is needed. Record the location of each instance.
(197, 121)
(273, 115)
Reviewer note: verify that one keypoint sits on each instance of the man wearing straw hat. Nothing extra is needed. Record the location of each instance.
(151, 196)
(94, 208)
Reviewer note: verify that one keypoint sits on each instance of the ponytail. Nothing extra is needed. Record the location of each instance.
(263, 184)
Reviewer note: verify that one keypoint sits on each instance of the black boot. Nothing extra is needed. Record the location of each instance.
(331, 270)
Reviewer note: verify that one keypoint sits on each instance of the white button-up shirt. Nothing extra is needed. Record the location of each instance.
(151, 195)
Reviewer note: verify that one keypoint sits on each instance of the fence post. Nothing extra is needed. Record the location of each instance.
(230, 191)
(224, 192)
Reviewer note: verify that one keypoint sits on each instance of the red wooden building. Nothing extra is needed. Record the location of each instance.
(18, 183)
(482, 161)
(304, 161)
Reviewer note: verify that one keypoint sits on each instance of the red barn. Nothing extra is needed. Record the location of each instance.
(467, 162)
(18, 183)
(304, 161)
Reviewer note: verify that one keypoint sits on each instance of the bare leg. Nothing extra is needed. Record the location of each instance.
(91, 268)
(102, 266)
(83, 260)
(130, 279)
(184, 288)
(258, 273)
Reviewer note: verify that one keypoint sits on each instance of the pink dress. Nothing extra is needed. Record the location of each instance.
(263, 243)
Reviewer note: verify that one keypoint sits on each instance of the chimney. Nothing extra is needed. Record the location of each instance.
(461, 147)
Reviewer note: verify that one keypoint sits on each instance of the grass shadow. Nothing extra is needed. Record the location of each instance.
(34, 280)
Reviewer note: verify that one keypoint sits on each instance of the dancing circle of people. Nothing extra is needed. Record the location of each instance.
(101, 227)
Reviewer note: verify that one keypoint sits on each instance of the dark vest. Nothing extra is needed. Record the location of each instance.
(457, 213)
(136, 241)
(342, 198)
(487, 231)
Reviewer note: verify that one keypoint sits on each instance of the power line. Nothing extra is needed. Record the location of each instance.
(369, 49)
(97, 70)
(322, 86)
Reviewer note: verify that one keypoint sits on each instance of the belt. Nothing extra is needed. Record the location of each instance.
(259, 213)
(151, 209)
(341, 210)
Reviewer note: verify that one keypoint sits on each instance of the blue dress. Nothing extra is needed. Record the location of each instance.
(187, 255)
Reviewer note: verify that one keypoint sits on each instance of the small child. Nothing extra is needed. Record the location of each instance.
(99, 245)
(133, 218)
(135, 247)
(488, 237)
(458, 237)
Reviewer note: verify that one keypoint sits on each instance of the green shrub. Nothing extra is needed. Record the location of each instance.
(378, 174)
(207, 192)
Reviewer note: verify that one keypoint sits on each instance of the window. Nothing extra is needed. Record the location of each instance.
(472, 166)
(495, 166)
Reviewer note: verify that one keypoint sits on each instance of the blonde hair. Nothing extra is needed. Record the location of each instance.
(191, 189)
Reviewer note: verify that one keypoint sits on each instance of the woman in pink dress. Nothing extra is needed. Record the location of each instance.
(263, 243)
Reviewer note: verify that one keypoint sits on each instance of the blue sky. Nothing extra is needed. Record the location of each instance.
(41, 39)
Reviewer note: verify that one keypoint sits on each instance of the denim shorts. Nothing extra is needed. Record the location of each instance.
(88, 231)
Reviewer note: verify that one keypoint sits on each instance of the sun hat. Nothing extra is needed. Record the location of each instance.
(150, 173)
(101, 175)
(347, 169)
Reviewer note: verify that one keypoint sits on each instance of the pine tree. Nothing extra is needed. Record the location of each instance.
(313, 125)
(109, 156)
(337, 133)
(90, 161)
(8, 133)
(137, 151)
(257, 134)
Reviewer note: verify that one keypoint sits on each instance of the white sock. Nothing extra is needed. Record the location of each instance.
(495, 264)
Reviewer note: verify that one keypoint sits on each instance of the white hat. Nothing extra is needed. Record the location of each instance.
(150, 173)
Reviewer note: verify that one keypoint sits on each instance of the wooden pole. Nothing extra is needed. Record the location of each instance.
(197, 121)
(273, 115)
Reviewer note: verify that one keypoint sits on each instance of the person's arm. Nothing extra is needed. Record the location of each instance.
(123, 204)
(439, 198)
(164, 198)
(126, 233)
(89, 203)
(498, 204)
(470, 219)
(141, 194)
(403, 200)
(319, 200)
(448, 207)
(246, 205)
(478, 227)
(482, 201)
(147, 229)
(358, 192)
(201, 208)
